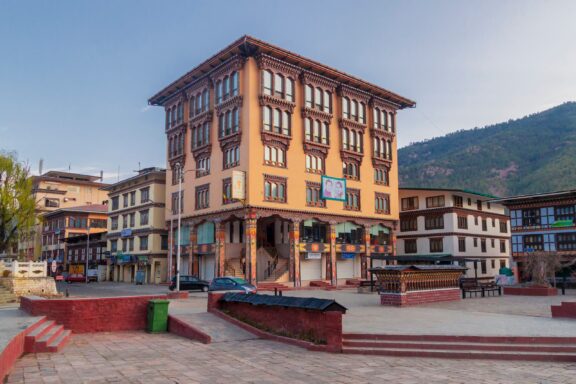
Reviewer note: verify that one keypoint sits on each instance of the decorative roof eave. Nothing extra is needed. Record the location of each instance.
(249, 46)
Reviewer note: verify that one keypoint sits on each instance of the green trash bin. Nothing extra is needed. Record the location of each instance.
(157, 316)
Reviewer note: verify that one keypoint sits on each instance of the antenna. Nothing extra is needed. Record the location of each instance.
(101, 175)
(69, 167)
(118, 174)
(40, 166)
(138, 166)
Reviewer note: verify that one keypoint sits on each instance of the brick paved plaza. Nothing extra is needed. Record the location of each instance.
(137, 357)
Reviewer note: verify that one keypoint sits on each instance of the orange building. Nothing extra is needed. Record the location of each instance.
(289, 166)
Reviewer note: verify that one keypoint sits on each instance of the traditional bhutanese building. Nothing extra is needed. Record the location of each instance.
(289, 167)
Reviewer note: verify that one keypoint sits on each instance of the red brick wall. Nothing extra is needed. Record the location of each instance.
(315, 326)
(94, 314)
(531, 291)
(420, 297)
(13, 350)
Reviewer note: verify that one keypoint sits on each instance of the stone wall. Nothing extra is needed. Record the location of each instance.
(23, 286)
(420, 297)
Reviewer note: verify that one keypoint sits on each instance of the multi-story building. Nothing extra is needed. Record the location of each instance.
(137, 236)
(55, 190)
(95, 246)
(542, 222)
(59, 226)
(256, 129)
(448, 225)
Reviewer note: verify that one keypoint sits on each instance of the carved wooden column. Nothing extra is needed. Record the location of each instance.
(193, 257)
(250, 224)
(365, 258)
(220, 247)
(331, 272)
(393, 241)
(295, 252)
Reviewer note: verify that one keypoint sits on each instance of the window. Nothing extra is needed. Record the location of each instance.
(313, 198)
(435, 201)
(475, 243)
(275, 188)
(276, 120)
(231, 157)
(502, 263)
(531, 217)
(492, 243)
(235, 83)
(461, 244)
(316, 131)
(201, 133)
(275, 156)
(267, 118)
(566, 212)
(113, 245)
(202, 166)
(308, 98)
(52, 203)
(492, 263)
(227, 191)
(566, 241)
(409, 203)
(131, 244)
(483, 245)
(132, 220)
(176, 202)
(202, 196)
(493, 223)
(382, 203)
(434, 222)
(318, 99)
(352, 141)
(458, 201)
(164, 242)
(144, 217)
(381, 176)
(267, 82)
(125, 200)
(475, 220)
(479, 204)
(484, 225)
(351, 171)
(410, 246)
(327, 102)
(352, 202)
(115, 203)
(97, 223)
(278, 85)
(503, 246)
(462, 222)
(143, 243)
(503, 226)
(144, 195)
(483, 266)
(346, 107)
(132, 198)
(124, 221)
(436, 245)
(314, 164)
(289, 89)
(409, 224)
(114, 223)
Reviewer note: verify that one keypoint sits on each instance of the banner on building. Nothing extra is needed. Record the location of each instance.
(313, 255)
(238, 185)
(76, 269)
(333, 188)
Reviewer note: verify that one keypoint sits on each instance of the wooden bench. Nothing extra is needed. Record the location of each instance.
(471, 286)
(491, 286)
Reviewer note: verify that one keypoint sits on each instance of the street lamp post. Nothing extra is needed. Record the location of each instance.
(87, 251)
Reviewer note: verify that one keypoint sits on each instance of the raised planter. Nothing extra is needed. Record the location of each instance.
(533, 290)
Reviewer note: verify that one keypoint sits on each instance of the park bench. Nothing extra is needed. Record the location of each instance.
(489, 285)
(471, 286)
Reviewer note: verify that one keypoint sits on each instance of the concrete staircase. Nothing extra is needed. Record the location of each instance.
(557, 349)
(47, 336)
(280, 273)
(232, 267)
(6, 296)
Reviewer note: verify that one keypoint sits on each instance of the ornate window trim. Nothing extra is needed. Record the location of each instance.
(383, 168)
(314, 148)
(321, 156)
(385, 196)
(229, 104)
(353, 93)
(277, 180)
(351, 124)
(230, 140)
(311, 113)
(275, 139)
(266, 62)
(278, 147)
(316, 80)
(356, 192)
(235, 63)
(199, 189)
(275, 102)
(321, 203)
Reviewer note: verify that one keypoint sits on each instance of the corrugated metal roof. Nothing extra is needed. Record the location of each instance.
(311, 303)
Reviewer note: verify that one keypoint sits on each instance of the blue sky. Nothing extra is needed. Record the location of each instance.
(75, 75)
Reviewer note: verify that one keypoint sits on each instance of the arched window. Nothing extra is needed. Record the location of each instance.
(325, 130)
(308, 129)
(360, 142)
(205, 100)
(318, 99)
(308, 96)
(289, 89)
(316, 131)
(362, 113)
(354, 110)
(389, 150)
(345, 138)
(180, 112)
(221, 128)
(392, 124)
(327, 102)
(198, 103)
(226, 82)
(267, 112)
(353, 140)
(376, 118)
(267, 82)
(384, 122)
(286, 123)
(228, 122)
(206, 132)
(278, 85)
(191, 106)
(346, 107)
(376, 145)
(235, 120)
(235, 83)
(277, 121)
(174, 118)
(218, 92)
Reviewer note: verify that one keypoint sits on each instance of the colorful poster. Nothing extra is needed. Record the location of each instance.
(238, 185)
(333, 188)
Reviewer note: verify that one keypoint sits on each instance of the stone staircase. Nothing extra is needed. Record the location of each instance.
(556, 349)
(280, 273)
(47, 336)
(232, 267)
(7, 297)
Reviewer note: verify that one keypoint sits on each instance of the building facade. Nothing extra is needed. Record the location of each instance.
(137, 236)
(255, 128)
(55, 190)
(455, 225)
(63, 224)
(542, 222)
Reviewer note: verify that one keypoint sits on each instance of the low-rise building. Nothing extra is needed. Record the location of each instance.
(78, 246)
(137, 237)
(453, 225)
(542, 222)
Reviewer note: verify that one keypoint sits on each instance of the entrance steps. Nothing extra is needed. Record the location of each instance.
(6, 296)
(320, 283)
(280, 273)
(553, 349)
(270, 286)
(48, 336)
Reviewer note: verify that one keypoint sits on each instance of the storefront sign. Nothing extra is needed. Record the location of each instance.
(313, 255)
(126, 232)
(348, 255)
(238, 185)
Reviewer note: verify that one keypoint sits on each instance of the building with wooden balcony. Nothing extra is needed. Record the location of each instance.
(289, 166)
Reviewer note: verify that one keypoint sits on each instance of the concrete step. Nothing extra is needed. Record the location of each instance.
(461, 338)
(59, 342)
(41, 344)
(551, 348)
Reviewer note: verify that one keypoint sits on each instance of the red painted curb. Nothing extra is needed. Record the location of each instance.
(184, 329)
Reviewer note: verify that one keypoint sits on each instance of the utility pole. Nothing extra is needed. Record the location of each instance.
(87, 250)
(180, 174)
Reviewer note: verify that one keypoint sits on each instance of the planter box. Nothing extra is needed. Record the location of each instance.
(531, 291)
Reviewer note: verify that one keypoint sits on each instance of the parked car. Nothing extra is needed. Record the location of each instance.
(231, 284)
(189, 283)
(75, 278)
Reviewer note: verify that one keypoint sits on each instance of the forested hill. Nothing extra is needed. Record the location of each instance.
(536, 153)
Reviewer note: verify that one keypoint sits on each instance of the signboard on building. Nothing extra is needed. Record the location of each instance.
(313, 255)
(333, 188)
(348, 255)
(76, 269)
(238, 185)
(126, 232)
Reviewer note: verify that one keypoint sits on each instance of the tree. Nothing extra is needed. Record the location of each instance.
(542, 266)
(17, 204)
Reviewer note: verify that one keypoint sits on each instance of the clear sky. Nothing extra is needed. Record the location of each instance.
(75, 75)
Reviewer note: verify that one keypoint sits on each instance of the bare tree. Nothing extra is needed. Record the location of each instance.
(542, 266)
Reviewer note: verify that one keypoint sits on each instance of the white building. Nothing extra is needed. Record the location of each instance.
(454, 224)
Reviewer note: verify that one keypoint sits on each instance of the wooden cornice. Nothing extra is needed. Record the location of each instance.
(270, 63)
(275, 139)
(275, 102)
(351, 124)
(230, 140)
(201, 118)
(316, 80)
(351, 156)
(202, 151)
(353, 93)
(317, 149)
(235, 63)
(316, 114)
(228, 104)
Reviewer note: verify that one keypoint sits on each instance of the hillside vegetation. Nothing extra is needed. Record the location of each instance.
(536, 153)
